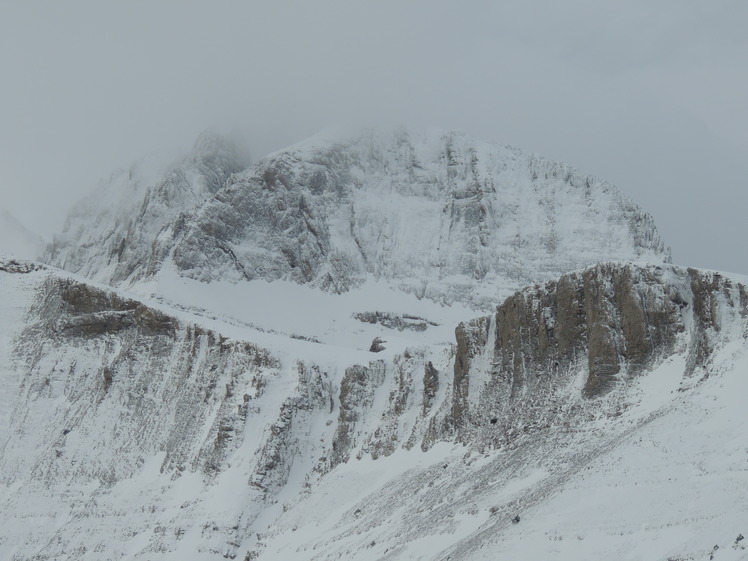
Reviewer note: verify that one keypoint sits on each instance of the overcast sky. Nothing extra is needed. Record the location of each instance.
(651, 95)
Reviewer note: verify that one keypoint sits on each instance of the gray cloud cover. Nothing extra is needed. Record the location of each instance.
(649, 95)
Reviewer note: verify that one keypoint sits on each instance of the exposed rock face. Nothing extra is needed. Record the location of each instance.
(444, 217)
(109, 378)
(607, 323)
(16, 266)
(87, 311)
(430, 386)
(546, 352)
(314, 394)
(114, 235)
(471, 340)
(618, 317)
(334, 213)
(356, 396)
(400, 322)
(377, 345)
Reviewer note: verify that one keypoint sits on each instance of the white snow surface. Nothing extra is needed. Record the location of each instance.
(656, 469)
(275, 311)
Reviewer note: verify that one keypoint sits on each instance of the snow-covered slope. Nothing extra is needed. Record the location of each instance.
(441, 216)
(157, 430)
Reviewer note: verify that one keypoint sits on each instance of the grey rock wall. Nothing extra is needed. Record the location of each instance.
(606, 324)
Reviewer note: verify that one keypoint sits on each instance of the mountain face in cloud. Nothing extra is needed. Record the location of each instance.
(17, 240)
(439, 215)
(111, 234)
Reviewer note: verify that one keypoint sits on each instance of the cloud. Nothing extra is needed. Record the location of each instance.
(645, 94)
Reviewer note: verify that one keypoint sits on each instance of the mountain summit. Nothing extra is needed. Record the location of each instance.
(441, 215)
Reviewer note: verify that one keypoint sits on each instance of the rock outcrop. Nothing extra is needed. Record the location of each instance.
(400, 322)
(108, 380)
(606, 324)
(356, 397)
(617, 317)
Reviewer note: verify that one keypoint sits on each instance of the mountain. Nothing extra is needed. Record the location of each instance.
(109, 235)
(442, 216)
(603, 409)
(370, 346)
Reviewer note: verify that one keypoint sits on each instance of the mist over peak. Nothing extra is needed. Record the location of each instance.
(435, 213)
(16, 240)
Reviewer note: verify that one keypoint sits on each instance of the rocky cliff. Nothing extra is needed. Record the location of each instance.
(108, 380)
(119, 406)
(597, 328)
